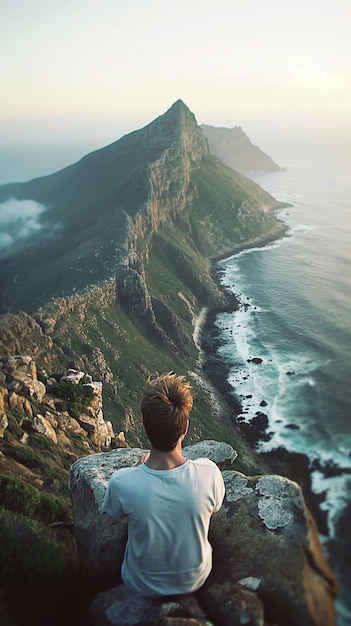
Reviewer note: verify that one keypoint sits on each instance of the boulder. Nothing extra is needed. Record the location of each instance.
(268, 567)
(69, 424)
(3, 424)
(72, 376)
(92, 420)
(219, 452)
(20, 363)
(3, 395)
(13, 400)
(101, 540)
(25, 385)
(126, 608)
(21, 376)
(265, 538)
(229, 603)
(41, 425)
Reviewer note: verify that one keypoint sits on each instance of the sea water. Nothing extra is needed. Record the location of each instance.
(295, 316)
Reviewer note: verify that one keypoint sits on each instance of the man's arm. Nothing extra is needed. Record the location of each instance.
(111, 503)
(220, 490)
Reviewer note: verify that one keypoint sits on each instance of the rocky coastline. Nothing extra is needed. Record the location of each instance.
(294, 465)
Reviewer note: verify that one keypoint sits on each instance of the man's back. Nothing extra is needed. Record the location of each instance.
(169, 512)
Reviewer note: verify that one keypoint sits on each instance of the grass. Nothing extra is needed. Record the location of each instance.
(37, 576)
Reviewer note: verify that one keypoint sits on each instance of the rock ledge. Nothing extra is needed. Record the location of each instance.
(268, 563)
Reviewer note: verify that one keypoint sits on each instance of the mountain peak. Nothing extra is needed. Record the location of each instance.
(184, 113)
(99, 210)
(177, 127)
(178, 116)
(179, 104)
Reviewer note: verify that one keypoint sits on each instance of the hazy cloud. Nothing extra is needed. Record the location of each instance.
(19, 219)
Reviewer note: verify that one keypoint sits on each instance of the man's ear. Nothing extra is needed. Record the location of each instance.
(186, 428)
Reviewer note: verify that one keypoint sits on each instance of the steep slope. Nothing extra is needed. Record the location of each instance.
(117, 287)
(90, 207)
(109, 204)
(234, 148)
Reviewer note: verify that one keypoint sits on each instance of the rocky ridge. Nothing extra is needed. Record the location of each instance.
(151, 183)
(47, 421)
(42, 408)
(140, 223)
(149, 174)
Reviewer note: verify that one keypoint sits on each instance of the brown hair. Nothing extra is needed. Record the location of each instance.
(165, 406)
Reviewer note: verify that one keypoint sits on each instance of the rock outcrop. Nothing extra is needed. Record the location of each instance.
(19, 384)
(269, 567)
(21, 377)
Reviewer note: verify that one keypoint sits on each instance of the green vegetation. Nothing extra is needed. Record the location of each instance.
(37, 576)
(27, 457)
(129, 352)
(38, 568)
(217, 221)
(77, 397)
(18, 496)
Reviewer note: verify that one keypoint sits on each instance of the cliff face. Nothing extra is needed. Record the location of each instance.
(107, 207)
(118, 273)
(234, 148)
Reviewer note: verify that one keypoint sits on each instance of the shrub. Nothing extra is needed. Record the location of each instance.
(13, 425)
(77, 397)
(42, 378)
(32, 572)
(52, 510)
(26, 457)
(18, 496)
(41, 441)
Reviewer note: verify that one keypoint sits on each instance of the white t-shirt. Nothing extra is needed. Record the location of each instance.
(169, 513)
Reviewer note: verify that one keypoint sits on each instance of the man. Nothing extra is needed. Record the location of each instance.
(167, 498)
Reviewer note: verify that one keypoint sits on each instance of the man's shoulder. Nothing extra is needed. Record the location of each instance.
(123, 473)
(203, 460)
(205, 463)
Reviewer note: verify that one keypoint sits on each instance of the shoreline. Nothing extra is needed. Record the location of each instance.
(294, 465)
(274, 234)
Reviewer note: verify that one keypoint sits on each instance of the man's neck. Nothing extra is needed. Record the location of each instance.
(159, 460)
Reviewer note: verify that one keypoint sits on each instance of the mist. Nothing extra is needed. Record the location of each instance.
(19, 220)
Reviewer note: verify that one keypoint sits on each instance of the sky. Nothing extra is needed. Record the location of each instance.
(91, 71)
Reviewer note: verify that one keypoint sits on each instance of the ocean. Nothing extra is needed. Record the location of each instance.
(295, 315)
